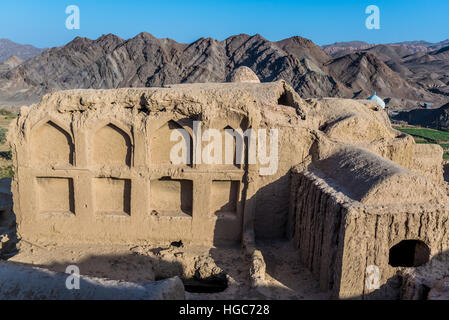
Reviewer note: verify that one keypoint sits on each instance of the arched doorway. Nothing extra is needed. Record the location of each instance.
(409, 253)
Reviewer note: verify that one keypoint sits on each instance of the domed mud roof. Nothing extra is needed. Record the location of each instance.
(244, 74)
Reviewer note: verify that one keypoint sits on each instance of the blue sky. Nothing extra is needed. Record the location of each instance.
(42, 23)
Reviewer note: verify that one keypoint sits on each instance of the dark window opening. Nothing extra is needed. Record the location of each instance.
(3, 218)
(409, 253)
(286, 99)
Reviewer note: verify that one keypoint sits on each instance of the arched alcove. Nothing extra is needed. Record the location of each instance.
(163, 151)
(51, 145)
(233, 153)
(409, 253)
(111, 146)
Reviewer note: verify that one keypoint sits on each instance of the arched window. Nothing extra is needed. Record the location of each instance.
(233, 153)
(163, 151)
(111, 146)
(51, 145)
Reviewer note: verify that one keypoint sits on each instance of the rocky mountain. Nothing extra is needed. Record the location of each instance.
(112, 62)
(422, 64)
(9, 48)
(429, 71)
(10, 63)
(363, 72)
(433, 118)
(339, 49)
(438, 45)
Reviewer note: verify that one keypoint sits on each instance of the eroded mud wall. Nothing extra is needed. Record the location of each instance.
(106, 177)
(371, 234)
(343, 241)
(316, 218)
(96, 166)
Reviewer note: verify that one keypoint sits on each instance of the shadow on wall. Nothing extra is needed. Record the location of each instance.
(446, 170)
(289, 278)
(270, 205)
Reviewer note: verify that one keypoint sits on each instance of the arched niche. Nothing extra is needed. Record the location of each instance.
(163, 151)
(233, 147)
(111, 146)
(51, 145)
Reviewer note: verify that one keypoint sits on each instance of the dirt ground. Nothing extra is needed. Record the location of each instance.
(285, 278)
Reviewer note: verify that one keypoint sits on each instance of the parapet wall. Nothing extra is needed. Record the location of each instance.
(316, 217)
(428, 160)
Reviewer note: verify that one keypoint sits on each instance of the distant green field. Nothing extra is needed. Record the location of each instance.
(6, 170)
(429, 134)
(424, 135)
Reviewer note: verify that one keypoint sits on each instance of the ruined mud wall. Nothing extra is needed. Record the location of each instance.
(428, 160)
(94, 166)
(316, 217)
(339, 238)
(105, 175)
(371, 233)
(364, 124)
